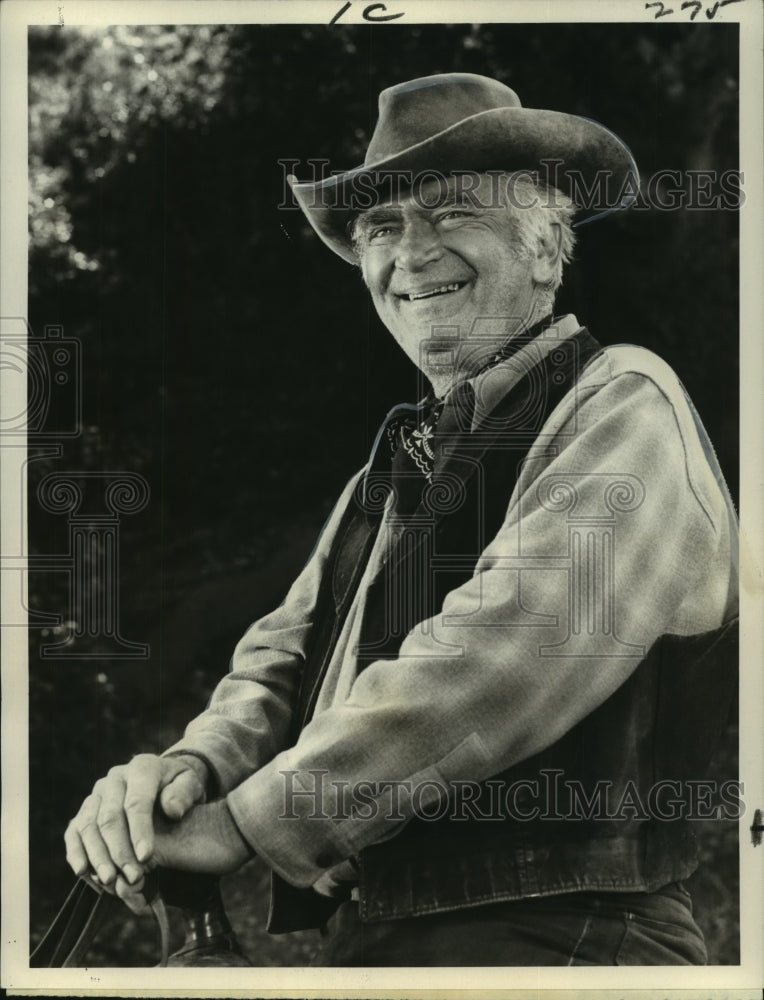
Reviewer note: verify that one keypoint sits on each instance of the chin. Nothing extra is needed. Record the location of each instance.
(439, 373)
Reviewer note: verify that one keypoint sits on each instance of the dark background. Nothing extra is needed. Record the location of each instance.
(236, 364)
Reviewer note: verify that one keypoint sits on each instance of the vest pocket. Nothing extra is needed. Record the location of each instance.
(655, 941)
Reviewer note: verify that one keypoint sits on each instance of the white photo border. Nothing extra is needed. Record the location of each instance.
(732, 981)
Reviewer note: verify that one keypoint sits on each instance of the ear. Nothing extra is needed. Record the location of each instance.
(547, 255)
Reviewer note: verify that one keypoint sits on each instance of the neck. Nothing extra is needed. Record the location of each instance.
(470, 363)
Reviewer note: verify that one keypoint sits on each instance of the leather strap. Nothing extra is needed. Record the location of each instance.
(74, 928)
(87, 907)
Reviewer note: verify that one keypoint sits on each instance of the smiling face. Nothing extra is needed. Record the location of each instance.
(445, 259)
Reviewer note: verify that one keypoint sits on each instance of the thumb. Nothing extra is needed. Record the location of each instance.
(181, 794)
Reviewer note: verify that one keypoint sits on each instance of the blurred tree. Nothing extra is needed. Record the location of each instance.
(136, 78)
(237, 364)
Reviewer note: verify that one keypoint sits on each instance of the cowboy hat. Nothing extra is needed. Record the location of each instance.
(455, 122)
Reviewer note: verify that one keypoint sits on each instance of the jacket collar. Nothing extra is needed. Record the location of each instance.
(492, 386)
(469, 424)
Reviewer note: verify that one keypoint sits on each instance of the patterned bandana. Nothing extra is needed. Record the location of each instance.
(414, 435)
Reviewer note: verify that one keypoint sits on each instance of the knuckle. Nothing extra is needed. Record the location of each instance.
(88, 828)
(142, 760)
(109, 819)
(138, 804)
(90, 805)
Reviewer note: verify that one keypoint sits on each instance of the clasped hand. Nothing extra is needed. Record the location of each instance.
(148, 813)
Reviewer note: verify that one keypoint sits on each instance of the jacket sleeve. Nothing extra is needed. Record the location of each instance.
(507, 668)
(248, 719)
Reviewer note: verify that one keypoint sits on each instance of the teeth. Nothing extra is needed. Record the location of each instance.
(453, 287)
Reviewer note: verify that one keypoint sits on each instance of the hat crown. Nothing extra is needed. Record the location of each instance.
(413, 112)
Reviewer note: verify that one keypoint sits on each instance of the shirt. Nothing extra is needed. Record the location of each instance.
(505, 669)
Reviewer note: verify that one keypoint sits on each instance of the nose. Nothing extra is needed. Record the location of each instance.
(419, 245)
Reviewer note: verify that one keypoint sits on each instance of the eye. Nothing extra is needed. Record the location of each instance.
(455, 213)
(379, 232)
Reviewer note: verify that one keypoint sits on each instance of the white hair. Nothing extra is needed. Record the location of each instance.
(537, 209)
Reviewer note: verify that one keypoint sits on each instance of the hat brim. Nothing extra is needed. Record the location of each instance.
(577, 155)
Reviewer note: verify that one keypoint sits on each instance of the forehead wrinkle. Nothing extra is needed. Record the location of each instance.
(456, 194)
(394, 209)
(380, 213)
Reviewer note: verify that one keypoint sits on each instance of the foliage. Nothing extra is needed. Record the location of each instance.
(137, 78)
(236, 365)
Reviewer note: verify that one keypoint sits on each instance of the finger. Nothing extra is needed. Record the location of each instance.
(183, 792)
(76, 856)
(132, 896)
(112, 824)
(142, 782)
(96, 851)
(94, 881)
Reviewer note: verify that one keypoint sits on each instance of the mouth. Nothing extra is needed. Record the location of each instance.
(429, 293)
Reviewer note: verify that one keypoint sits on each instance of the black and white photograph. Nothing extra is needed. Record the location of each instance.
(382, 497)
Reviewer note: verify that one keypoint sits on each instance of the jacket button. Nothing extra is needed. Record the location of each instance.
(324, 860)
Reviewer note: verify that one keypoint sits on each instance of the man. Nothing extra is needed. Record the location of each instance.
(466, 736)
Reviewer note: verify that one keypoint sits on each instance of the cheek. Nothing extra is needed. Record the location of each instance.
(380, 301)
(365, 275)
(374, 271)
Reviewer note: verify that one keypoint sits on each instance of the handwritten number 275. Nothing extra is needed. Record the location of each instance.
(696, 6)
